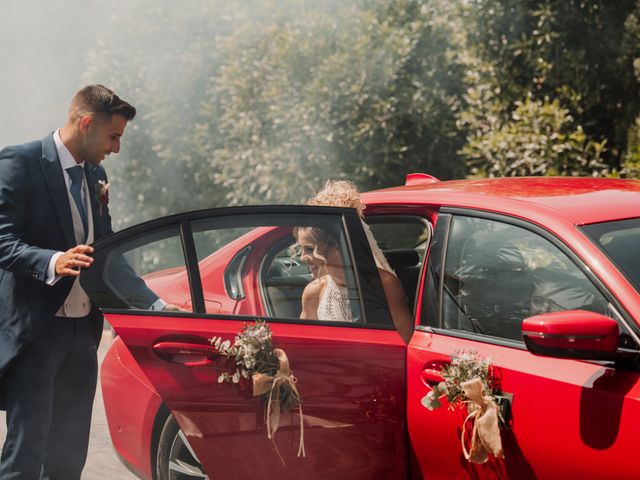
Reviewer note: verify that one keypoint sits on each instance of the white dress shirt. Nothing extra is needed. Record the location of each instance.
(66, 161)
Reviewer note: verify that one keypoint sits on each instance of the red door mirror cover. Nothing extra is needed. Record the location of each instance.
(571, 334)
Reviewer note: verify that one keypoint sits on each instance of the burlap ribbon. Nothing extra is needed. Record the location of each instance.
(483, 413)
(283, 379)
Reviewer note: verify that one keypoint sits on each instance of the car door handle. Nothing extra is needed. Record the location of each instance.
(432, 372)
(186, 353)
(431, 377)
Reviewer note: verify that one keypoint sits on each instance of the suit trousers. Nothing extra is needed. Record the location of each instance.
(49, 391)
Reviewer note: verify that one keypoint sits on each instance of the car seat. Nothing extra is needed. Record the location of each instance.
(495, 288)
(284, 284)
(406, 263)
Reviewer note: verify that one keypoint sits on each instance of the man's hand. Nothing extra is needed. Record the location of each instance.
(70, 262)
(170, 307)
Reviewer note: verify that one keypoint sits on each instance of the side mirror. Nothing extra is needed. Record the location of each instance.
(575, 334)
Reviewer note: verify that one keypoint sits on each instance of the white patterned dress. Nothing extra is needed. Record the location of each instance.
(334, 302)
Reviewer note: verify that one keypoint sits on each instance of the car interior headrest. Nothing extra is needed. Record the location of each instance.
(402, 258)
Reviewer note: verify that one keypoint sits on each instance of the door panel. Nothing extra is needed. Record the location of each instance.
(570, 419)
(351, 381)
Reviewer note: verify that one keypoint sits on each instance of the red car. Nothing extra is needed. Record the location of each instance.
(539, 275)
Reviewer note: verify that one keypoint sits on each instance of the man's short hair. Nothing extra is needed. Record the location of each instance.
(99, 100)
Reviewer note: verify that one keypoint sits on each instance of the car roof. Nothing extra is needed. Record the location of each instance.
(577, 200)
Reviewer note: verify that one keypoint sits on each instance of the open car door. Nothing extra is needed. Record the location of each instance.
(228, 267)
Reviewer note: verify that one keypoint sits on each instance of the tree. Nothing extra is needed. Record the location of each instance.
(261, 101)
(367, 92)
(540, 138)
(161, 56)
(572, 52)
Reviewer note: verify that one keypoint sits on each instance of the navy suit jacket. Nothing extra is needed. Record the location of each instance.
(36, 222)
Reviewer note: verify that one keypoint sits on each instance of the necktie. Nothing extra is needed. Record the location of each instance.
(76, 174)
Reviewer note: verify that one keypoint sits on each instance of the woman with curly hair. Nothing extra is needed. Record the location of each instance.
(326, 296)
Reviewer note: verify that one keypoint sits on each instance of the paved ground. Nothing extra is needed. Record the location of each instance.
(102, 463)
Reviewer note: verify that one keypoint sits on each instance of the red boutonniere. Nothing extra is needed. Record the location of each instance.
(102, 194)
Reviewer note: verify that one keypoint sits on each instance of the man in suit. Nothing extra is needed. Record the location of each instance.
(50, 210)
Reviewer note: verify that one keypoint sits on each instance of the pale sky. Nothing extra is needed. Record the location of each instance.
(43, 53)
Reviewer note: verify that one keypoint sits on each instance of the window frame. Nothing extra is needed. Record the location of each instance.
(381, 218)
(445, 218)
(414, 218)
(356, 243)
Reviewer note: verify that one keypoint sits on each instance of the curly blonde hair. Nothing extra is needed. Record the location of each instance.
(339, 193)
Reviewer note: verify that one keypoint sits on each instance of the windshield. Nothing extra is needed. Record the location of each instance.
(619, 241)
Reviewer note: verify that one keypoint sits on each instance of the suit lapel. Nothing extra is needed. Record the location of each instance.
(54, 178)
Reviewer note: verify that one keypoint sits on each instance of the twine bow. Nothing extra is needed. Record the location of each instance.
(283, 380)
(485, 437)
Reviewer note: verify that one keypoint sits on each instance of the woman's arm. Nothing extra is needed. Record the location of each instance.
(397, 300)
(310, 300)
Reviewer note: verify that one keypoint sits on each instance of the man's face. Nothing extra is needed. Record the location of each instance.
(102, 137)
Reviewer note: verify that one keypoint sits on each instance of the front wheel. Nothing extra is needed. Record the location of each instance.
(176, 460)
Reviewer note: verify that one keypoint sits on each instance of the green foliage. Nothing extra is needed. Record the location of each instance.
(251, 351)
(253, 354)
(539, 138)
(339, 90)
(162, 64)
(631, 47)
(578, 53)
(261, 101)
(631, 165)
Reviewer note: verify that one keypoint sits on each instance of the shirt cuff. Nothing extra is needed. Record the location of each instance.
(159, 304)
(52, 278)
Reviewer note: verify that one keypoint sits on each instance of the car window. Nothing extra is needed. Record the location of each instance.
(400, 232)
(209, 241)
(284, 278)
(404, 240)
(142, 274)
(295, 263)
(619, 240)
(264, 267)
(496, 274)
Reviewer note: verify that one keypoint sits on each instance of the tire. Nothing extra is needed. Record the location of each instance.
(176, 460)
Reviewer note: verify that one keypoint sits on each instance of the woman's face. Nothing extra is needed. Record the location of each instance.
(308, 245)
